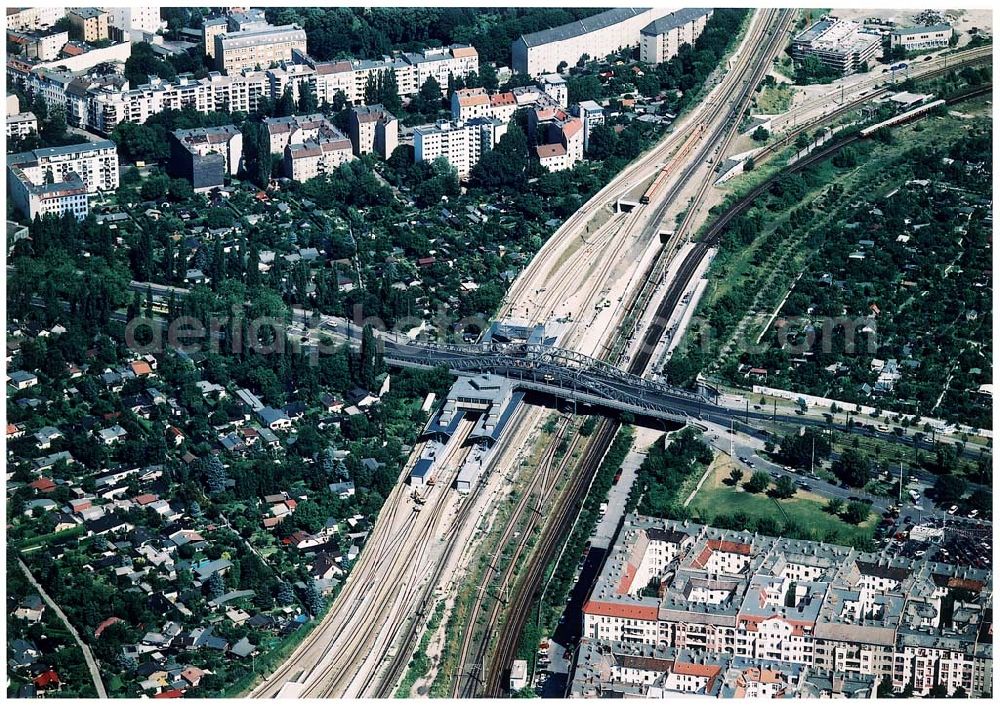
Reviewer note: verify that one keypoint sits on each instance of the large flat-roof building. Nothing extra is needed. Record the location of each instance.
(257, 48)
(59, 179)
(661, 39)
(829, 608)
(597, 36)
(917, 38)
(205, 156)
(461, 143)
(842, 45)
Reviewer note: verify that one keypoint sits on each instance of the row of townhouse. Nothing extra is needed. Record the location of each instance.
(101, 103)
(829, 607)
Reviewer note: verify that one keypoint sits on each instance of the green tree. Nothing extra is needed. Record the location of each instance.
(758, 482)
(853, 468)
(856, 512)
(735, 475)
(784, 487)
(760, 134)
(307, 99)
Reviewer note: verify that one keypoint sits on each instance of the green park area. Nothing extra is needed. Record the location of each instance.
(803, 511)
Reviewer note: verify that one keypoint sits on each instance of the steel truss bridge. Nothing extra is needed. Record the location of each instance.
(558, 372)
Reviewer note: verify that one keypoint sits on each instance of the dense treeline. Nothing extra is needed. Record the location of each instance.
(371, 32)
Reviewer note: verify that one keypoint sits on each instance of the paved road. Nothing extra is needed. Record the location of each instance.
(95, 673)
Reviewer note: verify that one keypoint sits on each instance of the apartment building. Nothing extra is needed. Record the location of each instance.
(554, 86)
(373, 129)
(21, 124)
(839, 44)
(826, 607)
(28, 19)
(591, 114)
(661, 39)
(59, 179)
(296, 129)
(605, 33)
(560, 137)
(206, 156)
(91, 22)
(43, 46)
(317, 156)
(461, 143)
(210, 29)
(104, 106)
(635, 670)
(918, 38)
(257, 48)
(132, 23)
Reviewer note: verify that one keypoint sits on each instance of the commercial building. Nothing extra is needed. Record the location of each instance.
(23, 19)
(317, 156)
(205, 156)
(373, 129)
(461, 143)
(831, 609)
(257, 48)
(59, 179)
(843, 46)
(21, 124)
(91, 22)
(605, 33)
(661, 39)
(917, 38)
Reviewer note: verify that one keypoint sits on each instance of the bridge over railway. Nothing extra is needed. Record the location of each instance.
(559, 372)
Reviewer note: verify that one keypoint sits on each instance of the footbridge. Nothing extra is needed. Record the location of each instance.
(559, 372)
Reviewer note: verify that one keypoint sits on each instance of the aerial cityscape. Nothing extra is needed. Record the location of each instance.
(496, 352)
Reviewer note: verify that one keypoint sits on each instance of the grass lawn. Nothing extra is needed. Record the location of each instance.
(775, 99)
(804, 508)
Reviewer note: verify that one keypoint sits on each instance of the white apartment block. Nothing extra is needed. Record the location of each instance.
(257, 48)
(555, 87)
(134, 22)
(374, 129)
(917, 38)
(661, 39)
(316, 157)
(605, 33)
(58, 179)
(24, 19)
(824, 607)
(461, 143)
(592, 115)
(21, 124)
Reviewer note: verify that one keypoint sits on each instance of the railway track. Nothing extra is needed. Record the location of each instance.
(973, 57)
(544, 482)
(571, 501)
